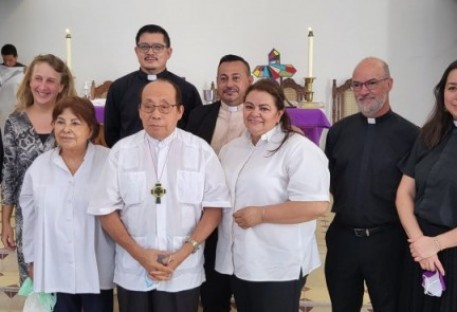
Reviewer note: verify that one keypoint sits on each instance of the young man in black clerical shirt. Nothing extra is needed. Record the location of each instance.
(365, 241)
(153, 49)
(218, 124)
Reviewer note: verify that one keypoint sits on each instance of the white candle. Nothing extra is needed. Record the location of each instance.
(310, 52)
(68, 44)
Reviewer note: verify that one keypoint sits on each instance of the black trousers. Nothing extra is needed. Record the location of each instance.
(267, 296)
(376, 259)
(102, 302)
(158, 301)
(216, 290)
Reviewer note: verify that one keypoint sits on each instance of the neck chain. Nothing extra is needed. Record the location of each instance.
(158, 191)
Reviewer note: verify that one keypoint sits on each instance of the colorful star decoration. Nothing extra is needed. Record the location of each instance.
(274, 69)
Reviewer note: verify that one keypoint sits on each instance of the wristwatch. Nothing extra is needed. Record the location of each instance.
(194, 243)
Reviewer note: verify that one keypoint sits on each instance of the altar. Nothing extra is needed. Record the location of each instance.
(311, 121)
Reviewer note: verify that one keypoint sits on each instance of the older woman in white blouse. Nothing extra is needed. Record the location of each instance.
(66, 248)
(279, 183)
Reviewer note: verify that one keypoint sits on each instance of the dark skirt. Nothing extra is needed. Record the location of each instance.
(412, 297)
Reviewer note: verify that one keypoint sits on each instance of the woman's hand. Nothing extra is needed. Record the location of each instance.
(432, 264)
(30, 270)
(8, 235)
(423, 247)
(249, 216)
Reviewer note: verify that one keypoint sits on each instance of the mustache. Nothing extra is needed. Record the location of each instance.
(230, 89)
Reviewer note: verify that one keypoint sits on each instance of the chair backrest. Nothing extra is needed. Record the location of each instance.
(100, 92)
(292, 90)
(343, 101)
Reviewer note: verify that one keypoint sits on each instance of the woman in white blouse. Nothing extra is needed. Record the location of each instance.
(66, 248)
(279, 184)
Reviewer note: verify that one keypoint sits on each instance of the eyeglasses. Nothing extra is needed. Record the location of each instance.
(369, 84)
(156, 47)
(163, 108)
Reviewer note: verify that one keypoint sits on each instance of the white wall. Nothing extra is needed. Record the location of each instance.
(416, 37)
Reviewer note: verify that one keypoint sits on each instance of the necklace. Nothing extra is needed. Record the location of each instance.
(158, 191)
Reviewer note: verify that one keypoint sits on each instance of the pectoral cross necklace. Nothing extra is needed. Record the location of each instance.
(158, 191)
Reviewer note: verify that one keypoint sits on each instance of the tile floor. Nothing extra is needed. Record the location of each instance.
(314, 296)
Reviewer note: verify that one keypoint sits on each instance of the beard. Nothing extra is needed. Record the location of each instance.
(371, 109)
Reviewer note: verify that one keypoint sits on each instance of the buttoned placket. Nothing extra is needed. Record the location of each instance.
(160, 175)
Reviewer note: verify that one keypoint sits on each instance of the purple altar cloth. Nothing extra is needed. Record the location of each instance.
(99, 112)
(310, 121)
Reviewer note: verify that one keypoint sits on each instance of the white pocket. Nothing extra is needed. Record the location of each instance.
(133, 187)
(190, 186)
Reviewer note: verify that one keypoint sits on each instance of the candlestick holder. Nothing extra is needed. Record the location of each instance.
(309, 89)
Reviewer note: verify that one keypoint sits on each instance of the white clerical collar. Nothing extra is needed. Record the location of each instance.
(371, 121)
(160, 143)
(455, 123)
(231, 109)
(152, 77)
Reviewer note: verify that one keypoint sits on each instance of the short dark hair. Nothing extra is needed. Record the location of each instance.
(178, 94)
(9, 49)
(81, 108)
(235, 58)
(152, 28)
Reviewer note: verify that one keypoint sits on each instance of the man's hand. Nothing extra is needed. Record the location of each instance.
(153, 261)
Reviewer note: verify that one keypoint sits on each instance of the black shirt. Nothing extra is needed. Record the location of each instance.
(121, 109)
(364, 162)
(435, 175)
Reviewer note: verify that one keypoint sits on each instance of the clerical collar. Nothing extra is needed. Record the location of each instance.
(148, 77)
(231, 109)
(373, 121)
(455, 123)
(162, 143)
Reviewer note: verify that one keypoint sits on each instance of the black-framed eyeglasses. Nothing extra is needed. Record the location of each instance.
(369, 84)
(156, 47)
(163, 108)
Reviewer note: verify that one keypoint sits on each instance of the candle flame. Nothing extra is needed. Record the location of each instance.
(310, 32)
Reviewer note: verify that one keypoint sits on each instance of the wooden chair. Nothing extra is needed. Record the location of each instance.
(293, 91)
(343, 101)
(100, 92)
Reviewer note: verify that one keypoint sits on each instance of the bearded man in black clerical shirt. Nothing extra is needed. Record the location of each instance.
(366, 241)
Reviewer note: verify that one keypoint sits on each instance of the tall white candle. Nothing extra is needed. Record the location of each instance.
(310, 51)
(68, 45)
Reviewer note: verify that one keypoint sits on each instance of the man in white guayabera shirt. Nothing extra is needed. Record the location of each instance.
(159, 198)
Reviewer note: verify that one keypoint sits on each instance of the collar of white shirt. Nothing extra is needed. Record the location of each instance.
(162, 143)
(267, 136)
(231, 108)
